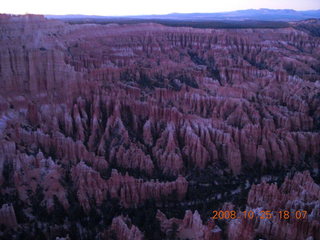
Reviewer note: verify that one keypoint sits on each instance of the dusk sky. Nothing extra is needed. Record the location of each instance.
(137, 7)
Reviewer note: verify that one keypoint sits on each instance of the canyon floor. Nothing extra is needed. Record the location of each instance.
(141, 131)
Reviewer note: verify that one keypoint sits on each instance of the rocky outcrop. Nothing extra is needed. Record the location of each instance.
(130, 191)
(122, 229)
(33, 172)
(8, 216)
(190, 227)
(200, 111)
(295, 193)
(300, 193)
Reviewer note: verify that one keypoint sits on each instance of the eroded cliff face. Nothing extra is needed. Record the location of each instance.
(190, 227)
(122, 229)
(80, 101)
(300, 193)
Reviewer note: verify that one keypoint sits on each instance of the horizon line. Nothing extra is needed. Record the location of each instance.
(156, 14)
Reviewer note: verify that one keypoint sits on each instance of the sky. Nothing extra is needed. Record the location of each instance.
(140, 7)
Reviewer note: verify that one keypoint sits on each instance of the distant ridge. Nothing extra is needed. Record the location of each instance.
(263, 14)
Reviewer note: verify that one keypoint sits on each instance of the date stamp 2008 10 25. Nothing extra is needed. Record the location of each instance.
(285, 214)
